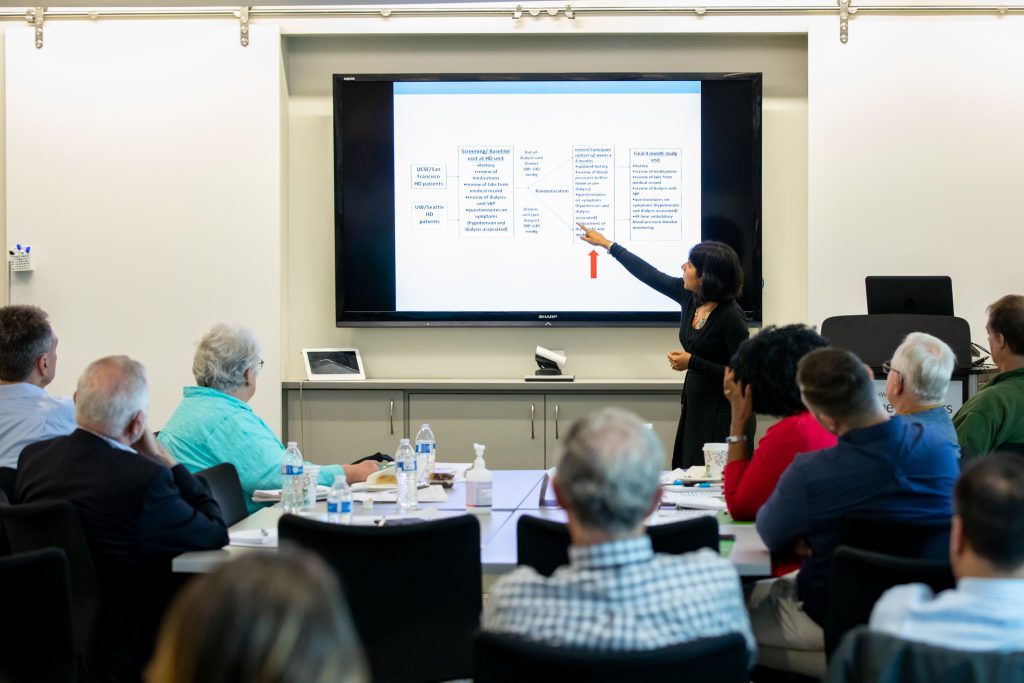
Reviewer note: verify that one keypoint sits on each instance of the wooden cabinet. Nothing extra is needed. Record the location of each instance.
(562, 409)
(510, 425)
(522, 424)
(335, 427)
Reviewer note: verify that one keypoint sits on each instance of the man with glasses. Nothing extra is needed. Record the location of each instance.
(918, 377)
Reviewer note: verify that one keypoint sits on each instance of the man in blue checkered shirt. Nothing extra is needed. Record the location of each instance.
(616, 594)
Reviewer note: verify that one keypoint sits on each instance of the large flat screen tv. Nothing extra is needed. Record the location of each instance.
(457, 195)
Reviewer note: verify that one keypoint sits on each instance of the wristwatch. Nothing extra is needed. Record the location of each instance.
(742, 438)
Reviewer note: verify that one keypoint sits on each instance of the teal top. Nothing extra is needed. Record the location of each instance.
(210, 427)
(994, 416)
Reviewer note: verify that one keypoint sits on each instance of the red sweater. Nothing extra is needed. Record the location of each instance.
(748, 483)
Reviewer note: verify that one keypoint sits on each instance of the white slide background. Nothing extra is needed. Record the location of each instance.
(538, 263)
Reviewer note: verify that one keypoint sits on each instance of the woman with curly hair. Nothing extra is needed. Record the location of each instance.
(762, 379)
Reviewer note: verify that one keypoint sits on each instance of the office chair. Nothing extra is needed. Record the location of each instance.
(870, 657)
(38, 642)
(7, 477)
(544, 544)
(881, 534)
(414, 591)
(54, 524)
(857, 579)
(501, 658)
(226, 489)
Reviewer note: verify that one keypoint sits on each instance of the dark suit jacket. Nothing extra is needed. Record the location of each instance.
(136, 515)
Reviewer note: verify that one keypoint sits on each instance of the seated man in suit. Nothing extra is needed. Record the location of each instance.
(880, 466)
(28, 362)
(137, 507)
(994, 417)
(986, 610)
(918, 377)
(616, 594)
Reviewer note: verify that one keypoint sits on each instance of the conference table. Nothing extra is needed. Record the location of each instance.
(516, 493)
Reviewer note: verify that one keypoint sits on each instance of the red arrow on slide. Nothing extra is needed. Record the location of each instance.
(593, 264)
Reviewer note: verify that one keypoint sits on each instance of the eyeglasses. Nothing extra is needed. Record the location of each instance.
(887, 368)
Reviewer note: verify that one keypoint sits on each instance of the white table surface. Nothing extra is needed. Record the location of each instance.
(516, 492)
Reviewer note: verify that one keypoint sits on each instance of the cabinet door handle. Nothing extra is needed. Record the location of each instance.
(391, 416)
(533, 413)
(556, 421)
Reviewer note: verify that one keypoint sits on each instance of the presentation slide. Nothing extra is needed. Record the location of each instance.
(491, 179)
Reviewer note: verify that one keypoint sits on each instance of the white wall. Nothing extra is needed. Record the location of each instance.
(507, 353)
(144, 163)
(915, 148)
(144, 168)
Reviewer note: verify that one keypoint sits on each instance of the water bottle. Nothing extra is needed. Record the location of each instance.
(426, 450)
(291, 479)
(339, 502)
(405, 466)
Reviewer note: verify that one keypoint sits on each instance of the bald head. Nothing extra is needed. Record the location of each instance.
(111, 393)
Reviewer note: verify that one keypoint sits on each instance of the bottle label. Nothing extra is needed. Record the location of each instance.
(478, 494)
(425, 447)
(346, 507)
(332, 507)
(406, 466)
(291, 470)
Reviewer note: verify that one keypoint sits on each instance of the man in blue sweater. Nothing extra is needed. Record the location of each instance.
(888, 467)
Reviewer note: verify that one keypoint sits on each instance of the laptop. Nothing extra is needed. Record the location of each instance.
(909, 294)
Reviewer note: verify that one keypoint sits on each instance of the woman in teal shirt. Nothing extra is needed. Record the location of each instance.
(214, 422)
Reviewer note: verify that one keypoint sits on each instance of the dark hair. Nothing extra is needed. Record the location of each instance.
(270, 617)
(990, 502)
(767, 361)
(25, 334)
(835, 382)
(719, 266)
(1006, 317)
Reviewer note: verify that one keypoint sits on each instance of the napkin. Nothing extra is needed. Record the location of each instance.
(428, 494)
(254, 538)
(274, 495)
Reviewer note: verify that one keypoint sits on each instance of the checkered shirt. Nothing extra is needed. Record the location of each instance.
(620, 596)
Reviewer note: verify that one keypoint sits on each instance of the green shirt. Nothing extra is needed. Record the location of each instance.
(210, 427)
(992, 417)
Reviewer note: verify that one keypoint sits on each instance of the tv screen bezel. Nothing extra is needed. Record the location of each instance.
(377, 318)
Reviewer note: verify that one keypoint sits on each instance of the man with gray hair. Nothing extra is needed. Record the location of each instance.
(28, 363)
(616, 594)
(138, 508)
(918, 377)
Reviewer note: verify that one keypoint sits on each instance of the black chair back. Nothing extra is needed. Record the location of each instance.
(414, 591)
(895, 537)
(38, 641)
(54, 524)
(857, 579)
(506, 659)
(871, 657)
(874, 337)
(544, 544)
(226, 489)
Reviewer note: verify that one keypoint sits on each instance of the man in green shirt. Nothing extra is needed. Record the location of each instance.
(994, 417)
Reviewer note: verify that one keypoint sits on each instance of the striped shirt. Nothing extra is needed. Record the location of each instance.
(621, 596)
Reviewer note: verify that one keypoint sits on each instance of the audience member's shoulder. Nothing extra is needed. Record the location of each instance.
(519, 579)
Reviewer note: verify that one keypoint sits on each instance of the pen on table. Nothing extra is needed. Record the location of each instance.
(264, 533)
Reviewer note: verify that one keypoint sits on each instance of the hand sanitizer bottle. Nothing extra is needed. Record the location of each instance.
(478, 484)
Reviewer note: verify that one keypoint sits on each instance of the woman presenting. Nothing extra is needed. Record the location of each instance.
(711, 329)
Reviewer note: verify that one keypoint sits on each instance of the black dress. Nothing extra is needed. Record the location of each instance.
(705, 414)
